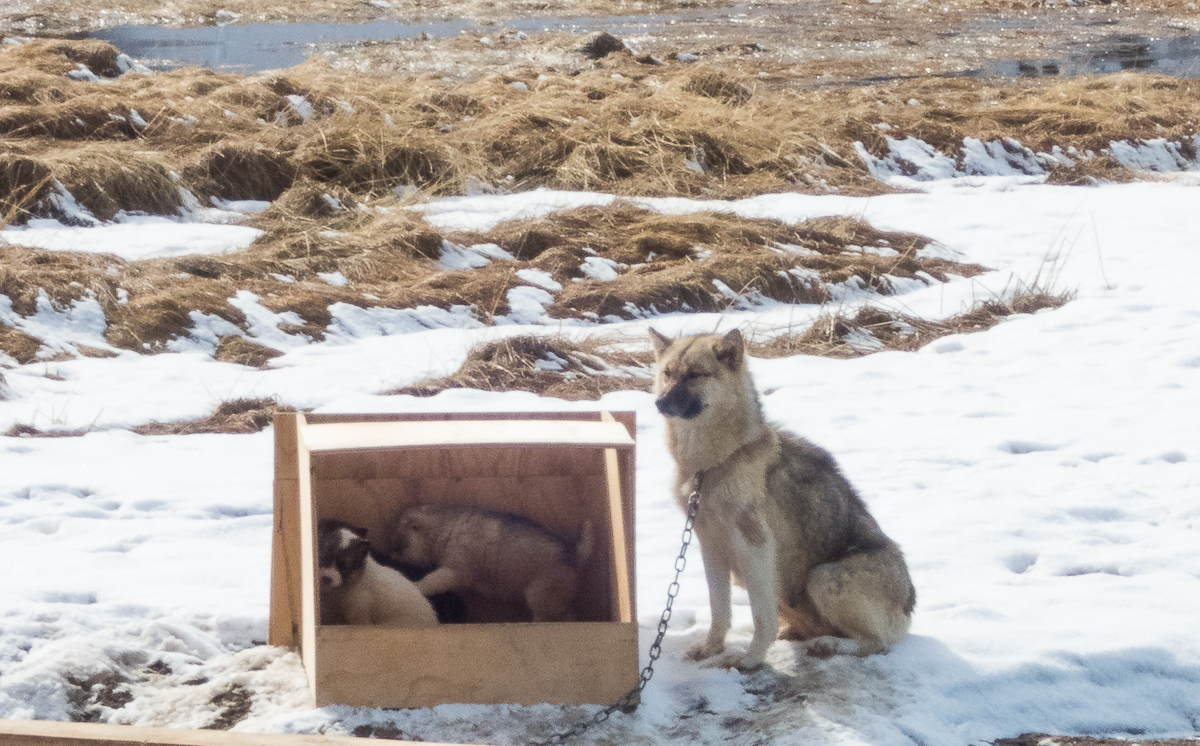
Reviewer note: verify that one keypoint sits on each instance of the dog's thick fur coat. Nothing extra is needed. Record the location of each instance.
(775, 511)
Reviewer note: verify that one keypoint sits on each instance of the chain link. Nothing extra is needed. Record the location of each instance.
(630, 700)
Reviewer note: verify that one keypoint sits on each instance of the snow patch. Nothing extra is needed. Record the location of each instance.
(454, 256)
(601, 269)
(541, 278)
(264, 323)
(351, 322)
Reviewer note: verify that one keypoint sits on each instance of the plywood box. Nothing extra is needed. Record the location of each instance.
(559, 469)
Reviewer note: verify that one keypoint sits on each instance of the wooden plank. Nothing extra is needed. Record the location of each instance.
(582, 415)
(284, 621)
(492, 461)
(560, 503)
(284, 625)
(309, 603)
(570, 663)
(546, 433)
(53, 733)
(620, 588)
(627, 463)
(285, 426)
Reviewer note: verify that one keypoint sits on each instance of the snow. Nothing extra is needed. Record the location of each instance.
(454, 256)
(60, 326)
(135, 237)
(1043, 478)
(541, 278)
(601, 268)
(911, 158)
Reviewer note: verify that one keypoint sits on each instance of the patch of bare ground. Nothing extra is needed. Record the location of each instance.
(234, 416)
(549, 365)
(235, 703)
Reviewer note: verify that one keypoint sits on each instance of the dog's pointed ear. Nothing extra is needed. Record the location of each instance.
(661, 341)
(731, 349)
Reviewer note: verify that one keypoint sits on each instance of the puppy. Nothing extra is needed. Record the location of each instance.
(502, 556)
(775, 511)
(358, 587)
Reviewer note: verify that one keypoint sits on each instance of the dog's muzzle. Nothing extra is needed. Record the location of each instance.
(679, 402)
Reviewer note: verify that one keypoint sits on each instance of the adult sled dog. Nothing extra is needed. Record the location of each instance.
(774, 511)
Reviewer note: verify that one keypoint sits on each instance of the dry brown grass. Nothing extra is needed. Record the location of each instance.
(680, 263)
(24, 182)
(18, 345)
(841, 335)
(666, 263)
(235, 349)
(235, 416)
(22, 430)
(621, 126)
(107, 178)
(549, 365)
(556, 366)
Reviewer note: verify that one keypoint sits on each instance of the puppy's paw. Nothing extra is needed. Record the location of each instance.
(705, 650)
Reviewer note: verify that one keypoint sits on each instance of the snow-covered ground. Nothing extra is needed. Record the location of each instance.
(1043, 478)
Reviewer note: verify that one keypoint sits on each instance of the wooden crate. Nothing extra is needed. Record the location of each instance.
(559, 469)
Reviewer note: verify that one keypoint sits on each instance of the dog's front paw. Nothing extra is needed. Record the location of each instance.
(705, 650)
(742, 663)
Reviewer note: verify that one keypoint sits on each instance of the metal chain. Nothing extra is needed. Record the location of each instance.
(630, 700)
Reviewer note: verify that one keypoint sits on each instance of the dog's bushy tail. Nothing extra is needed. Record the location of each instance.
(586, 543)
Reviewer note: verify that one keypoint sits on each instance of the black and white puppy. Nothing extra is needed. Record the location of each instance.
(362, 586)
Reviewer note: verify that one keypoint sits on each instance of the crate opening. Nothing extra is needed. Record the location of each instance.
(558, 491)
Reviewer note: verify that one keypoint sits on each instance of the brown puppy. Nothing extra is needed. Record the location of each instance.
(774, 511)
(497, 555)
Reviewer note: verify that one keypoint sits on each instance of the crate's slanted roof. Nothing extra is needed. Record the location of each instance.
(441, 434)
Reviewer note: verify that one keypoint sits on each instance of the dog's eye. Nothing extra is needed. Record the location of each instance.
(692, 375)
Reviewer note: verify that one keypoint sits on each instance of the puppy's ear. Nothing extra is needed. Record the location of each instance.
(358, 531)
(661, 342)
(357, 553)
(731, 349)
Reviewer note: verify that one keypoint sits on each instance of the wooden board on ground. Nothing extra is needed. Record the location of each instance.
(53, 733)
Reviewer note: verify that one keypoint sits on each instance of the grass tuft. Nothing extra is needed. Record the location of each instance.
(234, 416)
(549, 365)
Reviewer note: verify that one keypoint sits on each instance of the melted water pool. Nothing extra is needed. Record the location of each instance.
(1178, 57)
(266, 46)
(256, 47)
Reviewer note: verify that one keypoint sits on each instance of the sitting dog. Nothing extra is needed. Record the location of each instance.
(359, 587)
(501, 556)
(774, 510)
